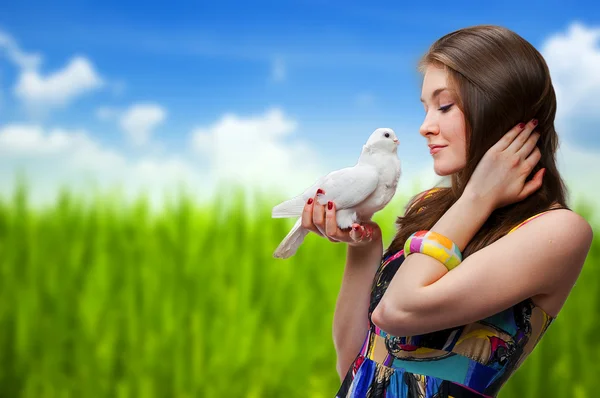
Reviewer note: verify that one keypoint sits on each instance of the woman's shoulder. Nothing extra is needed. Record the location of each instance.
(558, 239)
(557, 217)
(555, 208)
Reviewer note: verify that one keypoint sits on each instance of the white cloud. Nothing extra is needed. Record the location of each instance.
(32, 140)
(250, 152)
(278, 70)
(53, 158)
(58, 88)
(139, 120)
(71, 148)
(573, 58)
(13, 52)
(254, 152)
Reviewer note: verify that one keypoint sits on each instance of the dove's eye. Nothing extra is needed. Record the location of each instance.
(387, 135)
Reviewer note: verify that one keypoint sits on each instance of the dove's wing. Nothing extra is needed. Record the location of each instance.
(346, 187)
(294, 207)
(312, 190)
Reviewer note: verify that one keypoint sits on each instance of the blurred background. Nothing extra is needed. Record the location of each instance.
(142, 147)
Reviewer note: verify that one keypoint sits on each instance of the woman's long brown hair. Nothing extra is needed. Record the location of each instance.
(500, 80)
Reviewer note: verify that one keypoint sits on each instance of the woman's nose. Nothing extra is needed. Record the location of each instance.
(429, 127)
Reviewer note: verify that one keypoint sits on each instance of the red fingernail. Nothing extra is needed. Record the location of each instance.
(521, 125)
(320, 191)
(355, 228)
(329, 205)
(310, 200)
(535, 122)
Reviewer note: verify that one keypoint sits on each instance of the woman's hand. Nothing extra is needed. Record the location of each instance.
(499, 178)
(321, 220)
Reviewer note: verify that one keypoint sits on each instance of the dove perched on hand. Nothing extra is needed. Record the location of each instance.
(358, 191)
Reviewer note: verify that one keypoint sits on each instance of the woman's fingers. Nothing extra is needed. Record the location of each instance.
(532, 185)
(321, 219)
(509, 137)
(307, 216)
(368, 232)
(361, 233)
(318, 215)
(533, 159)
(356, 233)
(522, 137)
(332, 231)
(529, 146)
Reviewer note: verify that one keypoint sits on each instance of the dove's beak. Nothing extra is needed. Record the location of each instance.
(396, 141)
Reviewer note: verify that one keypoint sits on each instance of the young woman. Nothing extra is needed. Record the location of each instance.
(453, 311)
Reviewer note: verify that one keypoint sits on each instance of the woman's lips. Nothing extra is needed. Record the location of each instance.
(436, 149)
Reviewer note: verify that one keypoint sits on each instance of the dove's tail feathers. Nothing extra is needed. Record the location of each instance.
(288, 246)
(289, 208)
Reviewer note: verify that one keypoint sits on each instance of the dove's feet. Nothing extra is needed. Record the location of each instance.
(361, 232)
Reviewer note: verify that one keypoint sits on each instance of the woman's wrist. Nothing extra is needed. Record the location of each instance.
(365, 251)
(463, 219)
(477, 201)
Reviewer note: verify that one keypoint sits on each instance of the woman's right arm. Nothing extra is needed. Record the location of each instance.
(364, 255)
(350, 320)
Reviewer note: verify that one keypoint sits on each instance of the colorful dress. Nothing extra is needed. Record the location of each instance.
(472, 360)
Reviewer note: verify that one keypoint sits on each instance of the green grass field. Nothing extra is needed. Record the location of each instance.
(108, 300)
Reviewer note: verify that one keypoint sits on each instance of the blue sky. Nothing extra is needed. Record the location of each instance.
(331, 72)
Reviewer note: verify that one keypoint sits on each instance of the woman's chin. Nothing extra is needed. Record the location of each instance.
(443, 170)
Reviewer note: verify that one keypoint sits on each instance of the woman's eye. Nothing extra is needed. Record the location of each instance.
(445, 109)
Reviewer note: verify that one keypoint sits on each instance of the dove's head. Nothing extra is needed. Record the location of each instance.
(383, 139)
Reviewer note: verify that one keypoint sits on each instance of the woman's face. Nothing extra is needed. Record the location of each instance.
(444, 123)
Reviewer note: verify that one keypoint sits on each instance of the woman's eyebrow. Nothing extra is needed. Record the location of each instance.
(436, 92)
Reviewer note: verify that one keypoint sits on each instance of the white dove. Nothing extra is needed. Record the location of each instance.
(358, 191)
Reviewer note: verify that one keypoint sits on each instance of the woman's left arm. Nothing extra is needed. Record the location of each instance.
(424, 297)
